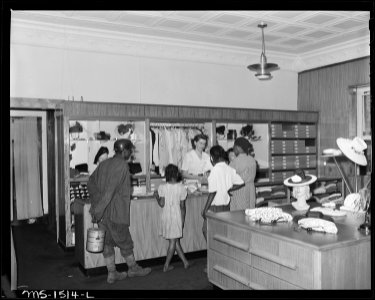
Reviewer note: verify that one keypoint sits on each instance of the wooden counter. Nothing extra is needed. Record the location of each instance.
(144, 228)
(245, 255)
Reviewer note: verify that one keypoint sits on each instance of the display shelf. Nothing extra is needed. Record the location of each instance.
(292, 146)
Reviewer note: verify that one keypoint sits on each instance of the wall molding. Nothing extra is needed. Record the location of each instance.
(70, 38)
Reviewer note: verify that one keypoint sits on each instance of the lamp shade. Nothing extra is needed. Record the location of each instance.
(263, 69)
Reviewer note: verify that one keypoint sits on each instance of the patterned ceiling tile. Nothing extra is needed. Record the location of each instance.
(192, 14)
(237, 34)
(228, 19)
(348, 24)
(293, 42)
(291, 29)
(317, 34)
(320, 19)
(287, 31)
(207, 29)
(138, 19)
(173, 24)
(287, 14)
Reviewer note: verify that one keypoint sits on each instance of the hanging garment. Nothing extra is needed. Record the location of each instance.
(155, 153)
(152, 145)
(163, 152)
(27, 173)
(169, 142)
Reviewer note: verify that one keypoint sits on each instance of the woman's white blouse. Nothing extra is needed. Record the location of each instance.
(195, 165)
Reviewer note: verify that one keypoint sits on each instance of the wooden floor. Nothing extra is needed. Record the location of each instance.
(42, 264)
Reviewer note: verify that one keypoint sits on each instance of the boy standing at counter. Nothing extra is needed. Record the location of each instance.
(110, 191)
(222, 180)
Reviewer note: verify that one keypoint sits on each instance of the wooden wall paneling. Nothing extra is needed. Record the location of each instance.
(35, 103)
(161, 112)
(326, 90)
(228, 115)
(99, 110)
(51, 170)
(214, 114)
(265, 115)
(241, 114)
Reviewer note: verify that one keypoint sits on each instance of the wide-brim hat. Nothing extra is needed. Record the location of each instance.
(353, 149)
(300, 179)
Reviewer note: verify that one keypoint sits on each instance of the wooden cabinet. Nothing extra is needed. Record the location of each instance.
(245, 255)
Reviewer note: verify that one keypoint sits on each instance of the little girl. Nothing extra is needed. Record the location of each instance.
(171, 197)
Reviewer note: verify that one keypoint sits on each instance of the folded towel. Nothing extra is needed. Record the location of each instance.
(320, 225)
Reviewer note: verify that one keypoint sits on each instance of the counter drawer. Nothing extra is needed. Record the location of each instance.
(284, 260)
(229, 240)
(226, 272)
(261, 280)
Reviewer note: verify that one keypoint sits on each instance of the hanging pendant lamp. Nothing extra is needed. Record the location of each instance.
(263, 69)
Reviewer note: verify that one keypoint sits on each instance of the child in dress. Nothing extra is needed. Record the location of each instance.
(171, 197)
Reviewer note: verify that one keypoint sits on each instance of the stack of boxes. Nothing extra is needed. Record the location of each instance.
(293, 146)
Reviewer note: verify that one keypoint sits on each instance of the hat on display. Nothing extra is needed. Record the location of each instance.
(300, 179)
(353, 149)
(122, 129)
(220, 130)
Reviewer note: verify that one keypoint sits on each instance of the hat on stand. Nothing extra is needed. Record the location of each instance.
(353, 149)
(300, 179)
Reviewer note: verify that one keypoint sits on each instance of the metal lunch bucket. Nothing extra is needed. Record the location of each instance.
(95, 240)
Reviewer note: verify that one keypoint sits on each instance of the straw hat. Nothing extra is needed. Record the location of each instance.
(353, 149)
(300, 179)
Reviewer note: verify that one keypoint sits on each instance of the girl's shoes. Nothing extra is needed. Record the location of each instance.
(167, 268)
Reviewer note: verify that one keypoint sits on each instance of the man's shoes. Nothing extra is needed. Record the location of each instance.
(137, 270)
(114, 276)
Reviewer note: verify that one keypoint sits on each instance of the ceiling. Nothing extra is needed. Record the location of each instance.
(288, 33)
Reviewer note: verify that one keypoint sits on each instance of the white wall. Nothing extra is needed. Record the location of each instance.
(46, 72)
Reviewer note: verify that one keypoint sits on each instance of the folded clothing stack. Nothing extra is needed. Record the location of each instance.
(268, 214)
(315, 224)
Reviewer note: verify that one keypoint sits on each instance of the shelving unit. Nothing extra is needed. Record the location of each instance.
(292, 146)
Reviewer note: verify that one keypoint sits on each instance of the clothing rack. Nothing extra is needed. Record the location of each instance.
(177, 125)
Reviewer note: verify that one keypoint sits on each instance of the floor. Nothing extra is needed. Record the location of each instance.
(43, 264)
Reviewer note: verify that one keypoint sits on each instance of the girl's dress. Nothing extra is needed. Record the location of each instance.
(171, 223)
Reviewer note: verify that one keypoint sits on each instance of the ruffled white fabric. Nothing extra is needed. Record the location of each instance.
(268, 214)
(316, 224)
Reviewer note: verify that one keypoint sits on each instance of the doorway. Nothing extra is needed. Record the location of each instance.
(28, 164)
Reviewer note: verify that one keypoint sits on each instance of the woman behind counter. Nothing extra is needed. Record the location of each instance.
(196, 163)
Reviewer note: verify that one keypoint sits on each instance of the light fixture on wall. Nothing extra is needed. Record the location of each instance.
(263, 69)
